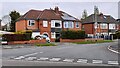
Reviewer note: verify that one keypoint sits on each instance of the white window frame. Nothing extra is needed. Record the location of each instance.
(112, 25)
(53, 35)
(65, 24)
(103, 26)
(45, 23)
(56, 21)
(69, 24)
(77, 23)
(30, 22)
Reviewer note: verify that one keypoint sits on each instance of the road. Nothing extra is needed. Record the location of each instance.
(63, 54)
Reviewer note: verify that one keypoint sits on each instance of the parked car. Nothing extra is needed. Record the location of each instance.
(43, 37)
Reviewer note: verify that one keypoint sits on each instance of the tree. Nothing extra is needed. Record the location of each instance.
(6, 21)
(84, 14)
(14, 16)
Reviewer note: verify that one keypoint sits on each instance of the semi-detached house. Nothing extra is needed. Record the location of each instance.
(49, 22)
(99, 24)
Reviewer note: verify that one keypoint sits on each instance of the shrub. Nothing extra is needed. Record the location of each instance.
(69, 34)
(118, 34)
(18, 36)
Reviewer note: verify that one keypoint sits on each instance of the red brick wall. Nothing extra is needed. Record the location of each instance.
(89, 28)
(27, 42)
(45, 29)
(21, 25)
(119, 27)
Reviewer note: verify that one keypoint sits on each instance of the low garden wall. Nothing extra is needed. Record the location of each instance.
(72, 40)
(27, 42)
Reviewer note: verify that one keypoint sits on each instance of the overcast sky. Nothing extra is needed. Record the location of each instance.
(73, 8)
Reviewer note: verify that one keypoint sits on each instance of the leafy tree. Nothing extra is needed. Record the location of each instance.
(14, 16)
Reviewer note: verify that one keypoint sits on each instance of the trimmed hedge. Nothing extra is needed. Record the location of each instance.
(70, 34)
(17, 36)
(118, 34)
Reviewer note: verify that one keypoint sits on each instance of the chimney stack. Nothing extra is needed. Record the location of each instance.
(56, 9)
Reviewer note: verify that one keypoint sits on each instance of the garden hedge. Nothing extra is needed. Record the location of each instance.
(70, 34)
(23, 36)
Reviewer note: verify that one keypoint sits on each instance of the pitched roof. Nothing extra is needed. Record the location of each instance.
(99, 18)
(31, 14)
(47, 14)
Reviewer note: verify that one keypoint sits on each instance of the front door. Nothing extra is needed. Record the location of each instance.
(57, 37)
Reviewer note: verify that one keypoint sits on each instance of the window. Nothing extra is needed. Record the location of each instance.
(77, 24)
(65, 24)
(45, 24)
(31, 22)
(103, 26)
(56, 24)
(112, 26)
(53, 34)
(68, 24)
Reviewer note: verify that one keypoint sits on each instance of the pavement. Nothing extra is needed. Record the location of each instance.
(63, 54)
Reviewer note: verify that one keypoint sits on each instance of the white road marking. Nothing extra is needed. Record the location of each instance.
(55, 59)
(97, 61)
(22, 57)
(82, 60)
(68, 60)
(30, 54)
(31, 58)
(43, 58)
(113, 62)
(19, 58)
(113, 50)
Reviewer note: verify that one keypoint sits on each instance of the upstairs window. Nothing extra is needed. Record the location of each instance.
(57, 24)
(45, 24)
(103, 26)
(77, 24)
(68, 24)
(31, 22)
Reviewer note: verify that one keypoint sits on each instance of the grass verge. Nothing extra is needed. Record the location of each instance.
(47, 44)
(93, 42)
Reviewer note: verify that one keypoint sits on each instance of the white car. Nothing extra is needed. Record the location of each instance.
(43, 37)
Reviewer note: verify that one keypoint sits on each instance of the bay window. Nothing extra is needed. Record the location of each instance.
(68, 24)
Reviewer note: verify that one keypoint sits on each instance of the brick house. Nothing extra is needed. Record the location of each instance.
(118, 20)
(48, 22)
(98, 25)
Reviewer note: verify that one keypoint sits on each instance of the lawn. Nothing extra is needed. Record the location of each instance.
(46, 44)
(93, 42)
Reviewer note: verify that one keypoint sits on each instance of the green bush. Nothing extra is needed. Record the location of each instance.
(118, 34)
(70, 34)
(18, 36)
(47, 44)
